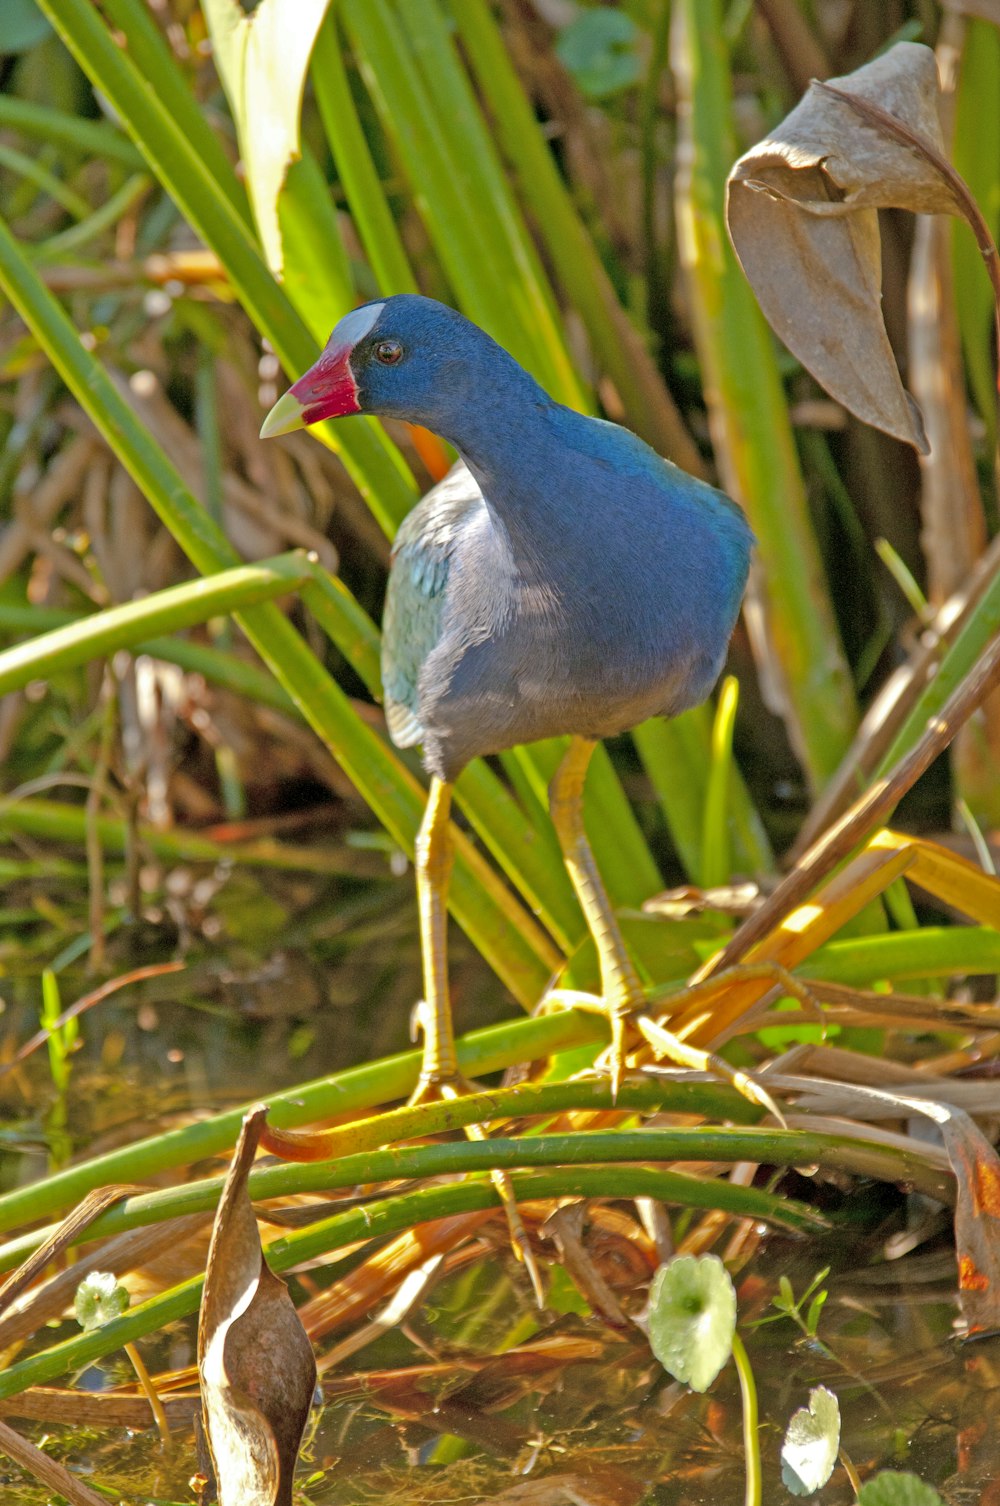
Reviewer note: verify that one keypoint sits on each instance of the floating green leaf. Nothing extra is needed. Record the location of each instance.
(600, 50)
(99, 1298)
(893, 1489)
(812, 1439)
(692, 1318)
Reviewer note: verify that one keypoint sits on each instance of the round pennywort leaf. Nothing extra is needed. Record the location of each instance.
(812, 1439)
(600, 49)
(892, 1489)
(692, 1318)
(99, 1298)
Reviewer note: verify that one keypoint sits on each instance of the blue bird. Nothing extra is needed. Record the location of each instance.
(562, 578)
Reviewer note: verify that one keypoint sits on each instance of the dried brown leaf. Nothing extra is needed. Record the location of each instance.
(802, 212)
(256, 1364)
(977, 1219)
(973, 1160)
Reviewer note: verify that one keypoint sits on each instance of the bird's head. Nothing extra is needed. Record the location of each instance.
(402, 357)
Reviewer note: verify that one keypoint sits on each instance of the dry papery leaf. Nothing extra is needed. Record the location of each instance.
(802, 213)
(256, 1364)
(973, 1160)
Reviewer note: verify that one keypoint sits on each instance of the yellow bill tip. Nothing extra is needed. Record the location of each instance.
(286, 415)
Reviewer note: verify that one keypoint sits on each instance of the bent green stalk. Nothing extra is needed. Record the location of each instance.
(371, 1221)
(751, 1431)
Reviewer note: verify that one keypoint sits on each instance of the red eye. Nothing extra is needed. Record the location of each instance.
(388, 352)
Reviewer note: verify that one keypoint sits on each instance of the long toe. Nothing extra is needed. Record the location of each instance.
(667, 1046)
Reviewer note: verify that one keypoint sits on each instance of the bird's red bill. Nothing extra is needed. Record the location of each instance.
(328, 389)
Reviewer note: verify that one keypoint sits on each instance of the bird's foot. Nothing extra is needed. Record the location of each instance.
(440, 1079)
(433, 1088)
(613, 1061)
(629, 1014)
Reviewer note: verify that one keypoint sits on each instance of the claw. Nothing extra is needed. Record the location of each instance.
(617, 1065)
(433, 1088)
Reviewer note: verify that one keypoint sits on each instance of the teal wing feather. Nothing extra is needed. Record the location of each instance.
(417, 595)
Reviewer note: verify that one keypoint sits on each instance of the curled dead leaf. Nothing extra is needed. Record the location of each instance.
(802, 213)
(257, 1369)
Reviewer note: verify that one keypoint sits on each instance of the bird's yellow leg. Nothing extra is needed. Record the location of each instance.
(622, 992)
(434, 856)
(439, 1074)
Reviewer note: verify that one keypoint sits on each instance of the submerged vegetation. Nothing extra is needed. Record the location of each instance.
(202, 815)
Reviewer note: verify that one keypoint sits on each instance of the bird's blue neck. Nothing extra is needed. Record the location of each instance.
(507, 430)
(489, 411)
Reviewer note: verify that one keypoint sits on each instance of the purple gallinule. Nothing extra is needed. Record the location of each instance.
(562, 578)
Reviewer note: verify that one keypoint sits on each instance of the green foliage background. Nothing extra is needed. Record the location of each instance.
(562, 184)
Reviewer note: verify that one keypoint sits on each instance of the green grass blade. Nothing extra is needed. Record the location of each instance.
(674, 756)
(73, 239)
(975, 154)
(374, 1083)
(357, 172)
(316, 271)
(54, 821)
(168, 611)
(35, 172)
(472, 231)
(391, 1215)
(530, 859)
(932, 952)
(215, 665)
(716, 865)
(617, 343)
(765, 1146)
(183, 154)
(94, 137)
(151, 58)
(475, 162)
(751, 427)
(347, 1092)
